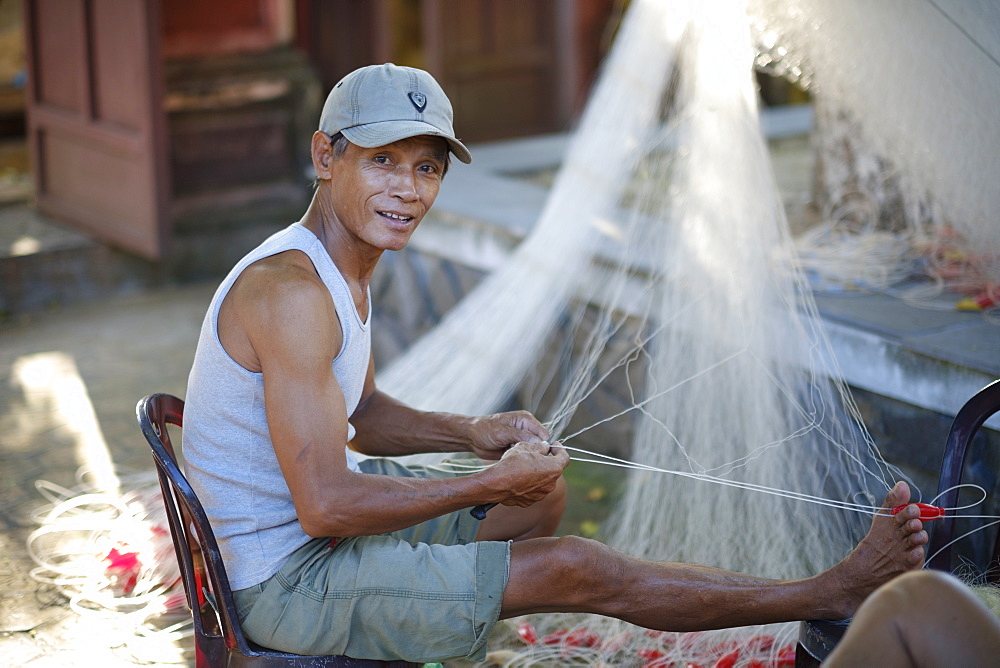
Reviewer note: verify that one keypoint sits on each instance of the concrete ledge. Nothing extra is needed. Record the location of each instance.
(933, 359)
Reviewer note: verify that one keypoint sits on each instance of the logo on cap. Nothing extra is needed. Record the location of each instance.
(419, 100)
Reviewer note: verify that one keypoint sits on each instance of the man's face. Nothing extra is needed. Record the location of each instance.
(381, 194)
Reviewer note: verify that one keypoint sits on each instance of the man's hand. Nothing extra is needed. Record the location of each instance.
(528, 472)
(494, 434)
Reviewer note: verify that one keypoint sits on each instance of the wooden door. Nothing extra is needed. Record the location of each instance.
(96, 124)
(510, 67)
(500, 62)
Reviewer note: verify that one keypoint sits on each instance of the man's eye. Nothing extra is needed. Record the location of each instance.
(381, 159)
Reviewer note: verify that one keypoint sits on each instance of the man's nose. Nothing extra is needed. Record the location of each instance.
(403, 185)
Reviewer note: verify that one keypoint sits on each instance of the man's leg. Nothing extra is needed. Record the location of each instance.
(925, 618)
(573, 574)
(536, 521)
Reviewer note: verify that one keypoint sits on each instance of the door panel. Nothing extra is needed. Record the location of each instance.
(117, 70)
(499, 62)
(95, 119)
(59, 50)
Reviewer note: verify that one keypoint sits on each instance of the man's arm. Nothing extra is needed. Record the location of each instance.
(386, 427)
(291, 326)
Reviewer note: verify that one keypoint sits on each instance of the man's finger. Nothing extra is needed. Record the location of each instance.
(561, 453)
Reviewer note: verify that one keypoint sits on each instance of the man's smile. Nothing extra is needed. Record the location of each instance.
(395, 216)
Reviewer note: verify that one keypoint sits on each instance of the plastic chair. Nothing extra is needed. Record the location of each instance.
(974, 413)
(817, 638)
(219, 640)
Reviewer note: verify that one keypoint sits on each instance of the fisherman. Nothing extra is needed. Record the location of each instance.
(377, 560)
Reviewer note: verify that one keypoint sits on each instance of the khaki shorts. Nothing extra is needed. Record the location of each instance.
(428, 593)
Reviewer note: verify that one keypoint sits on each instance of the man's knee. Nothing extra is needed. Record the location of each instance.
(584, 566)
(917, 587)
(568, 571)
(559, 494)
(540, 520)
(555, 505)
(578, 555)
(907, 598)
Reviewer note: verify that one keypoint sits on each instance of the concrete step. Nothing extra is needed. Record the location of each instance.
(44, 264)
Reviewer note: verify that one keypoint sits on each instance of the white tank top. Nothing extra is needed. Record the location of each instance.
(229, 458)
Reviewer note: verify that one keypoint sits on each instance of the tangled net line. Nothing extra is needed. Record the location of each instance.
(112, 557)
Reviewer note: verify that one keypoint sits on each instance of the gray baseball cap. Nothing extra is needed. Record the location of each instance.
(379, 104)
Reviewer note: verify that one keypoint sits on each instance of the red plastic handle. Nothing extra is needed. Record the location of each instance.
(927, 511)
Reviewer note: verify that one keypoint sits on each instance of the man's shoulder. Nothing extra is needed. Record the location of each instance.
(281, 282)
(277, 304)
(291, 269)
(292, 264)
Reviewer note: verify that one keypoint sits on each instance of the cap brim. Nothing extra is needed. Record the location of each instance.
(373, 135)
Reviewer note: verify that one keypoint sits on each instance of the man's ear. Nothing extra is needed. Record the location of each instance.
(322, 154)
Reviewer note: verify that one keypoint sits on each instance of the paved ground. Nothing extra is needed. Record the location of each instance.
(70, 382)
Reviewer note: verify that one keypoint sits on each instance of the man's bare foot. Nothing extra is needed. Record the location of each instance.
(894, 545)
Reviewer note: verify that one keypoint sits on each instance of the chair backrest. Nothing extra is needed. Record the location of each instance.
(967, 423)
(215, 622)
(219, 639)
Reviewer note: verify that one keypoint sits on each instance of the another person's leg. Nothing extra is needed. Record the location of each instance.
(924, 618)
(577, 575)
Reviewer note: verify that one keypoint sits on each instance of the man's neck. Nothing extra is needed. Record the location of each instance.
(355, 263)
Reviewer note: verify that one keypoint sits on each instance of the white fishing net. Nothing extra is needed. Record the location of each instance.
(905, 93)
(665, 220)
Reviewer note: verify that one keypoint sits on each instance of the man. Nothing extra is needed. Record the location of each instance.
(375, 560)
